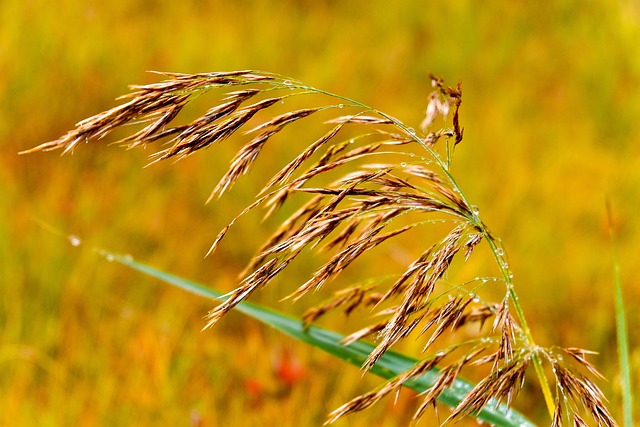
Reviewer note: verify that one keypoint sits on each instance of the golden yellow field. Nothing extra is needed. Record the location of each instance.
(551, 112)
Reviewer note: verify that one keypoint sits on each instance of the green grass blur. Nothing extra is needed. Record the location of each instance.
(550, 110)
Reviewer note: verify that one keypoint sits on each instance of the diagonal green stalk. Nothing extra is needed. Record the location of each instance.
(390, 365)
(537, 362)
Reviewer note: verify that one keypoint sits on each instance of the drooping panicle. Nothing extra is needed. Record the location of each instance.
(366, 183)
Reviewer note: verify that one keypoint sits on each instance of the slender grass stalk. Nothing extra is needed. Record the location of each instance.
(621, 329)
(477, 222)
(356, 214)
(623, 349)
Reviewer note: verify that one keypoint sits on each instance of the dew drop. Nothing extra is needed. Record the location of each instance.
(403, 164)
(500, 252)
(74, 240)
(351, 141)
(109, 258)
(287, 82)
(412, 131)
(476, 299)
(340, 105)
(475, 210)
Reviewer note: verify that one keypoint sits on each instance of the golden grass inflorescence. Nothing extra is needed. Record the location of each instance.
(349, 216)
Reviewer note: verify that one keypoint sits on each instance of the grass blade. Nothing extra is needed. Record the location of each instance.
(623, 350)
(390, 364)
(621, 330)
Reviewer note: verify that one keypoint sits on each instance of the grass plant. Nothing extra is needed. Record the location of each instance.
(366, 180)
(621, 330)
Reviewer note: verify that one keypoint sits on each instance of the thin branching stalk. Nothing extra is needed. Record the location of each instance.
(377, 199)
(497, 251)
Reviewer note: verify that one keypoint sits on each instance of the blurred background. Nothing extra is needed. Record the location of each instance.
(550, 109)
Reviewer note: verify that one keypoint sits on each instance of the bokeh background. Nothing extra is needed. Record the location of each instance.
(551, 107)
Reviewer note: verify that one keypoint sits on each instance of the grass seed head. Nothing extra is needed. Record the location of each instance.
(373, 202)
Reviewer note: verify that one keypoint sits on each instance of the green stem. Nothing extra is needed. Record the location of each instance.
(621, 329)
(477, 222)
(528, 336)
